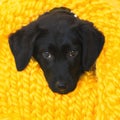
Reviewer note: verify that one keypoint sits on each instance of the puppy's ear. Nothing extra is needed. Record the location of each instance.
(92, 41)
(21, 43)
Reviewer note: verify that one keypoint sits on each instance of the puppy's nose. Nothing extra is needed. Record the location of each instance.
(61, 86)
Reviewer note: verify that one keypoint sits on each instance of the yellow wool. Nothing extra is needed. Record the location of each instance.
(26, 96)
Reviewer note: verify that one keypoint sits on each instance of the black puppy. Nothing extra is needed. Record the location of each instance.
(63, 45)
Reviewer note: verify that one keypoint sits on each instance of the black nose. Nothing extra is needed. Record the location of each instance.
(61, 86)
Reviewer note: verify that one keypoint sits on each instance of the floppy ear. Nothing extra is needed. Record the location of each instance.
(21, 43)
(92, 41)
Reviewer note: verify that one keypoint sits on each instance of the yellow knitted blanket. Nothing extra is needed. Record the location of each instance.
(26, 96)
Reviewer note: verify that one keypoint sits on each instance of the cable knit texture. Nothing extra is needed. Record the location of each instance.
(26, 96)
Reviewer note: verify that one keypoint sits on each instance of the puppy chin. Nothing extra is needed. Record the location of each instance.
(62, 91)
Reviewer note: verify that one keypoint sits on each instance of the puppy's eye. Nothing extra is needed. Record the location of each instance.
(47, 56)
(72, 53)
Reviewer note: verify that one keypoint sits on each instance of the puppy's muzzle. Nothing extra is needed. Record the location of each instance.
(61, 86)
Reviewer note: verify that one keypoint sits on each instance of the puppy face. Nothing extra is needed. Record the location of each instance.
(63, 45)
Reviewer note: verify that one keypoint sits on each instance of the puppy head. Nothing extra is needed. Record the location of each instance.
(63, 45)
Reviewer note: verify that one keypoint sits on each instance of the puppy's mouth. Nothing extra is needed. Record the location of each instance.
(62, 88)
(63, 91)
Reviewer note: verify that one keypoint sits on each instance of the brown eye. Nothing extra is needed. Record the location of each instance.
(47, 55)
(72, 53)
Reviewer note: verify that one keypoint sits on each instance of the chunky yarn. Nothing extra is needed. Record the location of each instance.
(26, 96)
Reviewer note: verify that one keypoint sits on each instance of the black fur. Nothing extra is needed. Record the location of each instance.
(63, 45)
